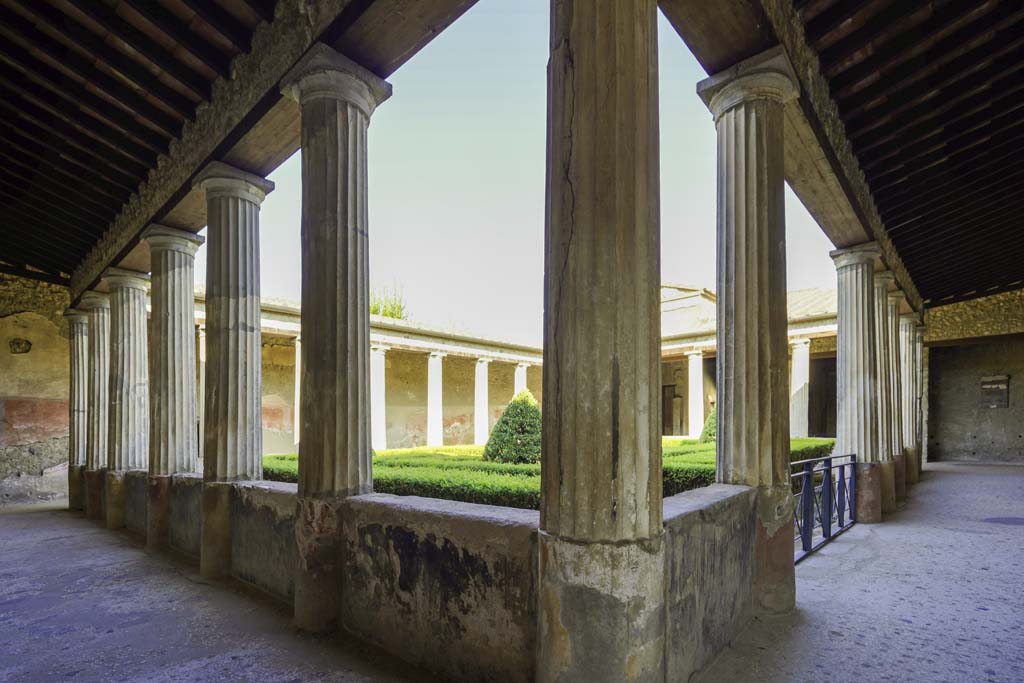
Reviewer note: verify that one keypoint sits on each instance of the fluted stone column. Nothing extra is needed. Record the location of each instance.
(601, 542)
(695, 393)
(297, 401)
(799, 387)
(753, 398)
(922, 400)
(896, 361)
(232, 415)
(435, 399)
(200, 389)
(337, 98)
(481, 421)
(78, 405)
(519, 379)
(883, 364)
(97, 306)
(857, 375)
(128, 447)
(378, 398)
(908, 377)
(173, 437)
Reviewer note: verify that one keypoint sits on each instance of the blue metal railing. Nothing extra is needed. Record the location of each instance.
(825, 491)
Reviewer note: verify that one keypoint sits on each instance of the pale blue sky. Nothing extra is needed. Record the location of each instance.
(456, 161)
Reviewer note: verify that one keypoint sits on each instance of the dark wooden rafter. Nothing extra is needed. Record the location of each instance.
(40, 171)
(223, 22)
(976, 192)
(15, 204)
(22, 271)
(264, 9)
(21, 194)
(51, 195)
(172, 27)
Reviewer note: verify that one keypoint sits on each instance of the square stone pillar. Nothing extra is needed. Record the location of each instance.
(602, 562)
(753, 393)
(232, 414)
(337, 98)
(856, 375)
(128, 446)
(481, 407)
(378, 398)
(97, 306)
(435, 399)
(173, 437)
(883, 364)
(896, 361)
(695, 393)
(799, 387)
(78, 405)
(908, 395)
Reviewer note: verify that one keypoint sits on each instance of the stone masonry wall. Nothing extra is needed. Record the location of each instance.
(984, 317)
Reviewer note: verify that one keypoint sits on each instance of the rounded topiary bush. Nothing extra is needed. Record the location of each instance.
(707, 435)
(516, 435)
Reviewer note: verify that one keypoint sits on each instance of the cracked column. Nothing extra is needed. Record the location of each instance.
(435, 399)
(97, 306)
(896, 389)
(78, 405)
(753, 355)
(799, 387)
(128, 446)
(601, 542)
(481, 420)
(908, 396)
(519, 379)
(695, 393)
(857, 375)
(232, 416)
(887, 471)
(378, 398)
(173, 437)
(337, 98)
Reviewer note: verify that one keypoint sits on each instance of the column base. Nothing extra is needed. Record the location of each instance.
(868, 493)
(215, 541)
(913, 467)
(888, 486)
(602, 610)
(901, 477)
(774, 570)
(114, 499)
(158, 511)
(318, 572)
(76, 487)
(93, 482)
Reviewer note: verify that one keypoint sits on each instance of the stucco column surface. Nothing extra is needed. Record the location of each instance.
(799, 387)
(753, 397)
(97, 306)
(883, 364)
(378, 396)
(695, 393)
(922, 399)
(896, 360)
(78, 404)
(173, 437)
(481, 422)
(856, 375)
(297, 401)
(201, 386)
(519, 379)
(435, 403)
(232, 415)
(908, 394)
(337, 98)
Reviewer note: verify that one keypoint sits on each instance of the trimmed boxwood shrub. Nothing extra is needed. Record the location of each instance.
(516, 435)
(677, 477)
(710, 431)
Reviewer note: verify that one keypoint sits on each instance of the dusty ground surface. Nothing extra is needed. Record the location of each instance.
(79, 603)
(936, 593)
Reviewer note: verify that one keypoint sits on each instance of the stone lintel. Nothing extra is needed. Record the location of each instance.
(326, 73)
(116, 278)
(857, 254)
(220, 179)
(765, 75)
(165, 237)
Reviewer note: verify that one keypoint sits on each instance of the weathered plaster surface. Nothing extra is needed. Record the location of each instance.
(278, 406)
(136, 486)
(263, 549)
(185, 513)
(447, 586)
(990, 315)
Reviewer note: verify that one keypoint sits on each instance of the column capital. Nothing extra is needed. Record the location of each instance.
(219, 179)
(121, 278)
(859, 254)
(483, 361)
(766, 76)
(884, 277)
(694, 352)
(93, 299)
(379, 348)
(921, 329)
(910, 318)
(799, 342)
(73, 315)
(164, 238)
(897, 298)
(326, 73)
(438, 354)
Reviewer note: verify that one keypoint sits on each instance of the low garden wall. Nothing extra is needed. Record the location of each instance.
(136, 492)
(263, 551)
(185, 523)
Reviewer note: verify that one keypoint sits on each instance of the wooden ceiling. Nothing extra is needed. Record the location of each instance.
(931, 93)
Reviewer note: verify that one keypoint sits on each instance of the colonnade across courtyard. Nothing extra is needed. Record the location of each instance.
(132, 398)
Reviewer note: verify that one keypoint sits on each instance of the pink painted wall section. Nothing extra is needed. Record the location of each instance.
(30, 420)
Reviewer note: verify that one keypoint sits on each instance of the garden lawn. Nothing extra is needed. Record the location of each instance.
(461, 473)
